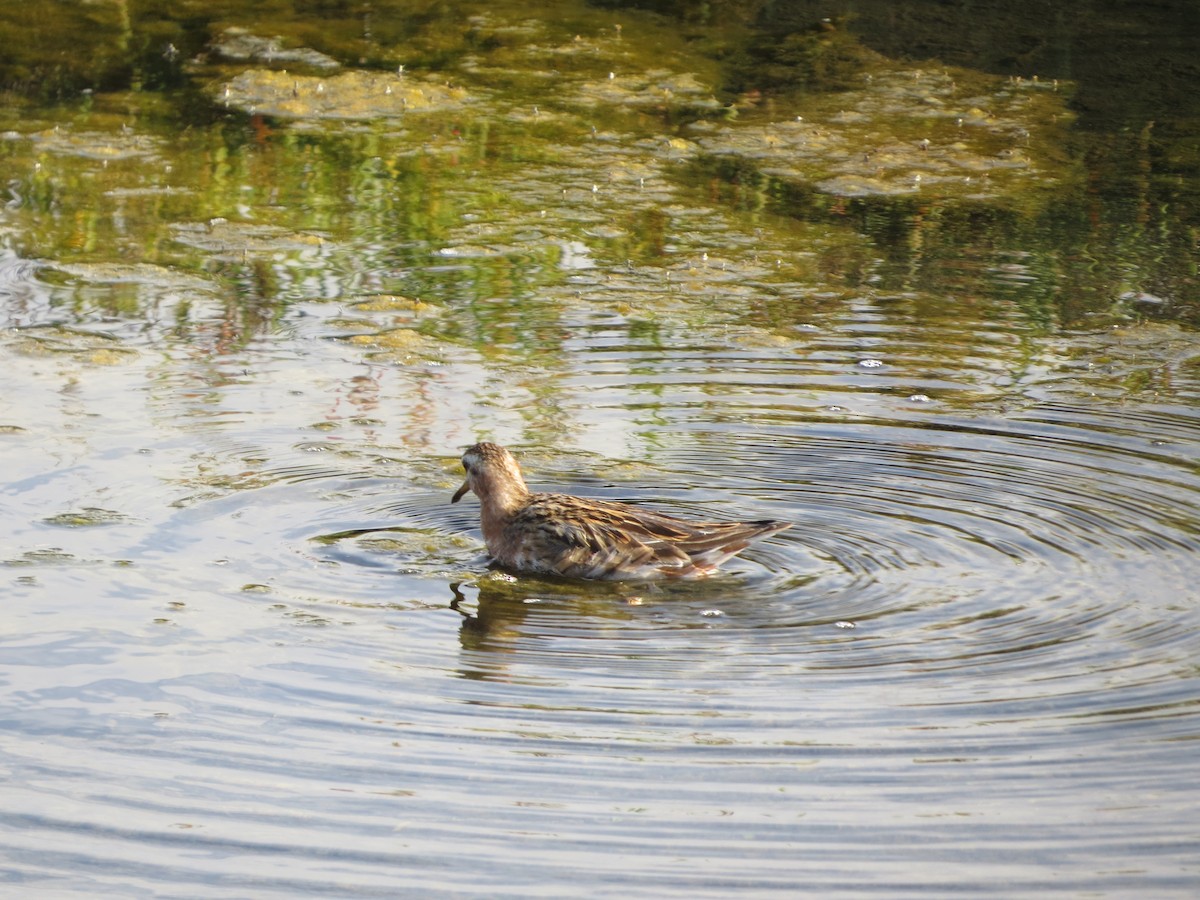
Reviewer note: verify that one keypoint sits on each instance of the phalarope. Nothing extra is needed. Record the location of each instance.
(583, 538)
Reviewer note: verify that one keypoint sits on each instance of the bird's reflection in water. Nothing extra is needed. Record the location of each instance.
(509, 615)
(546, 620)
(495, 622)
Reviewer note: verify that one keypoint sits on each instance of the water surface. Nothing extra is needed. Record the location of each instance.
(250, 321)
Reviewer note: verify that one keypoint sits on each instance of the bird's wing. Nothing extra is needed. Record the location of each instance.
(600, 538)
(599, 527)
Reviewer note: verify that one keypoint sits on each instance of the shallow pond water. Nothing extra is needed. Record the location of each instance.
(249, 647)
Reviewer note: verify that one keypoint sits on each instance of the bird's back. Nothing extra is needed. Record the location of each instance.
(583, 538)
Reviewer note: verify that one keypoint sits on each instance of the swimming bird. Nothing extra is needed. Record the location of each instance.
(577, 537)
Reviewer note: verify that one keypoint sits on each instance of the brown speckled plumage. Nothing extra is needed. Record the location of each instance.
(580, 538)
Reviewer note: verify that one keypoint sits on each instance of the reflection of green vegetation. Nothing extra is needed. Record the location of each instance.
(568, 188)
(55, 48)
(823, 56)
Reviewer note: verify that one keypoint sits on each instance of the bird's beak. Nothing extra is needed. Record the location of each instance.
(458, 495)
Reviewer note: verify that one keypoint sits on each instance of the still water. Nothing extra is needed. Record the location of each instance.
(249, 648)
